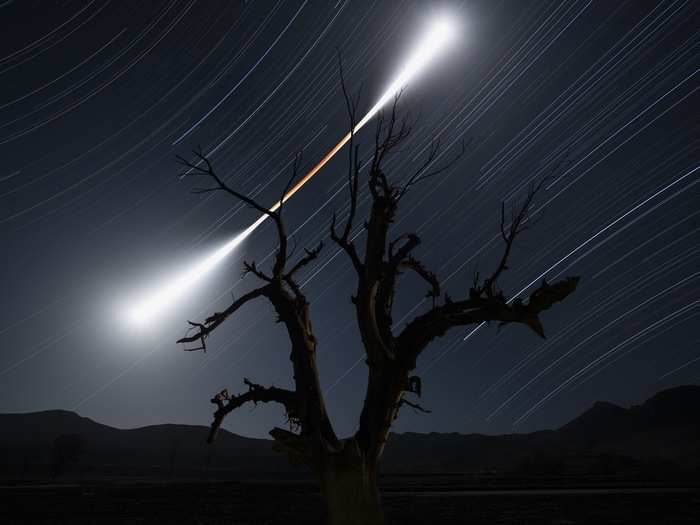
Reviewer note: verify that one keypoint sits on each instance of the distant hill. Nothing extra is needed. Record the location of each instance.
(661, 435)
(663, 432)
(157, 450)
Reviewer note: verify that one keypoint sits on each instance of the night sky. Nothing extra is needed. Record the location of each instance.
(97, 98)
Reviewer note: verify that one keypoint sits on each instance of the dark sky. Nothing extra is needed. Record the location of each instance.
(97, 98)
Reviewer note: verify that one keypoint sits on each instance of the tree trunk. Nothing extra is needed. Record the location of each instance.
(351, 493)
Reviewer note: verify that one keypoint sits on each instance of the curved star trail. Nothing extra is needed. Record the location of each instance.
(98, 97)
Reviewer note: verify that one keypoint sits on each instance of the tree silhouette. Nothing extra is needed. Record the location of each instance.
(347, 468)
(65, 449)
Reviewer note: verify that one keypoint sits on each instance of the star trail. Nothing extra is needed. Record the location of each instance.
(98, 98)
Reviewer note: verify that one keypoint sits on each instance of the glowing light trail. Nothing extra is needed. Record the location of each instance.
(441, 32)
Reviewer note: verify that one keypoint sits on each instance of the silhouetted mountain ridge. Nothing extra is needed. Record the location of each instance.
(664, 429)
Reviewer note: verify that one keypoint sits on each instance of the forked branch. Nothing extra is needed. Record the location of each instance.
(310, 256)
(518, 224)
(477, 309)
(204, 167)
(216, 319)
(422, 173)
(353, 172)
(427, 275)
(227, 403)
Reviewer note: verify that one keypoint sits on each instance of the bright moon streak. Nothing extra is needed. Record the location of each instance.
(441, 32)
(148, 307)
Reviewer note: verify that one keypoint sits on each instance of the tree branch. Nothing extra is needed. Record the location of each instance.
(199, 335)
(216, 319)
(427, 275)
(204, 167)
(477, 309)
(415, 406)
(297, 447)
(420, 174)
(281, 259)
(343, 240)
(412, 241)
(227, 403)
(252, 268)
(311, 255)
(517, 225)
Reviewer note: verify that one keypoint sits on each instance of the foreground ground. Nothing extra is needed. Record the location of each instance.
(290, 503)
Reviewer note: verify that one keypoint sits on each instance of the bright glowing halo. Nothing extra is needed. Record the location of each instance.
(440, 33)
(150, 306)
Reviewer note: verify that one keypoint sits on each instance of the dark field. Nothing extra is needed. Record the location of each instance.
(297, 502)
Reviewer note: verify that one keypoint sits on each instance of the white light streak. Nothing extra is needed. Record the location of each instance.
(149, 307)
(439, 34)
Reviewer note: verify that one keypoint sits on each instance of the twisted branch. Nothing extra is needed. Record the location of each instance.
(227, 403)
(216, 319)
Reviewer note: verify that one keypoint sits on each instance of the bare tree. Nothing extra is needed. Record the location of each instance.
(65, 449)
(347, 468)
